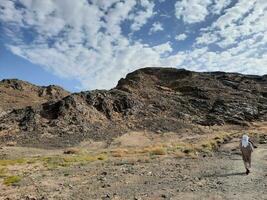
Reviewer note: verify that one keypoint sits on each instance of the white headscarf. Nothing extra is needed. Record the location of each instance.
(245, 140)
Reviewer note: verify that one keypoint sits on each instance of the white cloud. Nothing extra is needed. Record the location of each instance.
(241, 33)
(192, 11)
(92, 48)
(239, 22)
(180, 37)
(87, 47)
(163, 48)
(116, 16)
(156, 27)
(219, 5)
(142, 16)
(7, 14)
(104, 4)
(235, 13)
(79, 49)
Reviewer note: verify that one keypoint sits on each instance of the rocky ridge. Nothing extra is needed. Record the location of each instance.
(16, 94)
(151, 99)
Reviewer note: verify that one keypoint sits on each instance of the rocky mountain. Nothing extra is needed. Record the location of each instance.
(152, 99)
(16, 94)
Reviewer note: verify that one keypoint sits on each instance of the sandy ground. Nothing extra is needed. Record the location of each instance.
(217, 176)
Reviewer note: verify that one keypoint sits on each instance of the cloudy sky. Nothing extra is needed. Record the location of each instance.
(89, 44)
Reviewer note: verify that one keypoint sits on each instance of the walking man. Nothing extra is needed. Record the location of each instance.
(246, 147)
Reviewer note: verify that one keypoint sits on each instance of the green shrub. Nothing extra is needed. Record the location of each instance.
(12, 180)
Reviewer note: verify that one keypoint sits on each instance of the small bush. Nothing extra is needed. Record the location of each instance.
(54, 162)
(102, 157)
(188, 151)
(12, 180)
(2, 172)
(11, 144)
(71, 151)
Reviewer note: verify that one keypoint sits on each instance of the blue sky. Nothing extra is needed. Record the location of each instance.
(12, 66)
(91, 44)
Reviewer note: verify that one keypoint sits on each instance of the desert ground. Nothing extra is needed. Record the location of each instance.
(139, 166)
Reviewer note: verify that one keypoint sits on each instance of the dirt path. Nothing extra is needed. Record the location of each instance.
(226, 174)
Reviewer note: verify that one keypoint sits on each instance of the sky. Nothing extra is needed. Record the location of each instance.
(91, 44)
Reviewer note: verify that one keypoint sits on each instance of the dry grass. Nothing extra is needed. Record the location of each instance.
(84, 158)
(158, 151)
(179, 150)
(257, 134)
(154, 150)
(19, 161)
(201, 145)
(210, 144)
(52, 162)
(65, 161)
(119, 152)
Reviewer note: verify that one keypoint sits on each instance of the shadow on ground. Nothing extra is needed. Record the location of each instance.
(226, 175)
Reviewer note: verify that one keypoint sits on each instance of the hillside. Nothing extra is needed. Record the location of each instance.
(16, 94)
(152, 99)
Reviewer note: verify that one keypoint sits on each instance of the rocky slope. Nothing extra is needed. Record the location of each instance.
(153, 99)
(19, 94)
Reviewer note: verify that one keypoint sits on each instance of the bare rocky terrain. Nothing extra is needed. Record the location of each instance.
(152, 99)
(161, 133)
(148, 175)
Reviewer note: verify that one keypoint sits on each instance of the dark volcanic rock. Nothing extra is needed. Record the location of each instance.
(155, 99)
